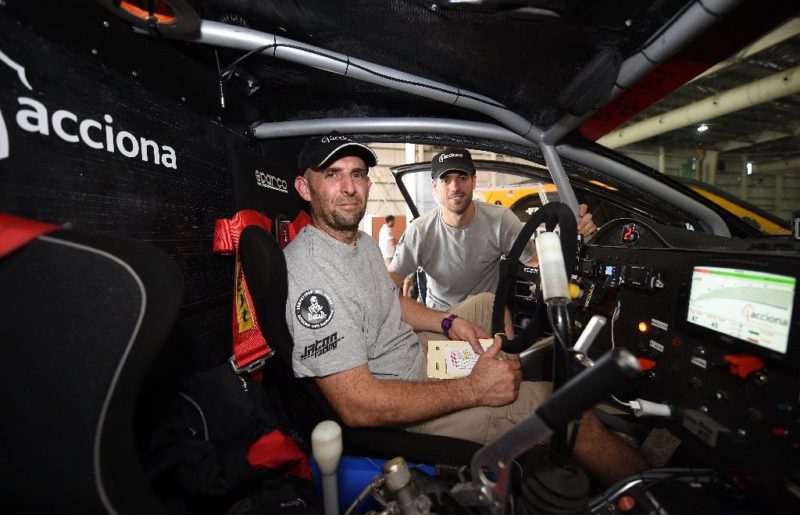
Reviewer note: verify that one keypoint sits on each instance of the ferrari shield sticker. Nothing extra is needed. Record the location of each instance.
(314, 309)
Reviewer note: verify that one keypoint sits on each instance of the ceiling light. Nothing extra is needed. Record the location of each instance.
(702, 127)
(749, 168)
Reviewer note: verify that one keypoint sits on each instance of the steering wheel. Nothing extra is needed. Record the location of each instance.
(511, 271)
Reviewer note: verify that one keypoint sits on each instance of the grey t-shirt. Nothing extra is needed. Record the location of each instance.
(343, 310)
(459, 261)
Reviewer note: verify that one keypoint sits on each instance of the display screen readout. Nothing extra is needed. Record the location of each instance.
(752, 306)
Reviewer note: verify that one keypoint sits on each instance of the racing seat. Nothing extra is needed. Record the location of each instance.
(265, 267)
(83, 316)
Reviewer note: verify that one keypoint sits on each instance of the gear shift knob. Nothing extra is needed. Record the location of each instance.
(326, 446)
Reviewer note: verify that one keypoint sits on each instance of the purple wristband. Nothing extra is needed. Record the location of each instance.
(447, 323)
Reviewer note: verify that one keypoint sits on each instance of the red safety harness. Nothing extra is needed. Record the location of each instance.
(250, 348)
(17, 232)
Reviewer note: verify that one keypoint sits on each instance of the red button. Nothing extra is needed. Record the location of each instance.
(626, 503)
(646, 364)
(780, 431)
(743, 365)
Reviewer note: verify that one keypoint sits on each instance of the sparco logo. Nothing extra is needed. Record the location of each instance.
(448, 156)
(33, 116)
(266, 180)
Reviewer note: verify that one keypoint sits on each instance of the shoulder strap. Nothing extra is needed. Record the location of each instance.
(286, 230)
(250, 348)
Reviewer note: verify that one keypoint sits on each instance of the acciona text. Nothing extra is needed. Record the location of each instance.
(33, 117)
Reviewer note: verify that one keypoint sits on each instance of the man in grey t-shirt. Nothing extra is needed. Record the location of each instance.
(353, 333)
(459, 243)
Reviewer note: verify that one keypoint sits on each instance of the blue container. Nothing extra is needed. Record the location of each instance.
(354, 474)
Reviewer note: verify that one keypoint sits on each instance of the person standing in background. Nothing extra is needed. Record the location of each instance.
(386, 240)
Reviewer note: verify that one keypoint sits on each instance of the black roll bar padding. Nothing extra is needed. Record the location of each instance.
(549, 214)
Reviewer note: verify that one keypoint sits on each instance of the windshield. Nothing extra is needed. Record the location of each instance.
(731, 133)
(526, 187)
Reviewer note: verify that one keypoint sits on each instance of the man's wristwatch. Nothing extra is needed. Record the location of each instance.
(447, 323)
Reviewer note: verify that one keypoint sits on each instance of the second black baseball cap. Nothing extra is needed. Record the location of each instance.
(452, 160)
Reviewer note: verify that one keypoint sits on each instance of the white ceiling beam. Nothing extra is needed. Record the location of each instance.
(757, 92)
(788, 30)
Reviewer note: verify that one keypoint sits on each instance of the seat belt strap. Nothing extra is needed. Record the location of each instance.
(16, 232)
(287, 230)
(250, 348)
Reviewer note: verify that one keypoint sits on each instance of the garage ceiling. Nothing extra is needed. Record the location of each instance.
(767, 131)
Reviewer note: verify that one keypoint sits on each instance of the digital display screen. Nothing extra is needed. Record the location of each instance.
(752, 306)
(610, 270)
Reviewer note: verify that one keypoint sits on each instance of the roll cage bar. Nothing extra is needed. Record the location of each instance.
(691, 22)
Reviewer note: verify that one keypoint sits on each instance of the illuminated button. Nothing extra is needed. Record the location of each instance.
(743, 365)
(643, 327)
(630, 234)
(626, 503)
(780, 431)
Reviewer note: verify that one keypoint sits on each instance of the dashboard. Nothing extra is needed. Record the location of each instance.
(715, 324)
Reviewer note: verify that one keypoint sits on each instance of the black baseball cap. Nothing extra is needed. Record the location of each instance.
(321, 150)
(452, 160)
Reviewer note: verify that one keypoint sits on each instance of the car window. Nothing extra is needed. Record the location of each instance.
(524, 189)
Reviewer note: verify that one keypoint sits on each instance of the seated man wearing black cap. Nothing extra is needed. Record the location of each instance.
(355, 335)
(459, 243)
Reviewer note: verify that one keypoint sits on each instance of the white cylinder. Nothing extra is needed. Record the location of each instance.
(326, 445)
(552, 273)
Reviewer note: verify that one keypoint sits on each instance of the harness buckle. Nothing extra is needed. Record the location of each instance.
(250, 367)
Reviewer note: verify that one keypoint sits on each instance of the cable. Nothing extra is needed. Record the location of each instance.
(649, 478)
(228, 71)
(614, 318)
(626, 404)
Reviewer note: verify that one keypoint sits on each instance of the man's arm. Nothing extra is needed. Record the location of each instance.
(398, 280)
(586, 227)
(361, 400)
(423, 318)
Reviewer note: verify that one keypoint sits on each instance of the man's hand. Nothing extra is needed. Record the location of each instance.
(495, 382)
(465, 330)
(586, 226)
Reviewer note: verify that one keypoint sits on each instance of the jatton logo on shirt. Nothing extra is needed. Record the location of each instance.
(321, 346)
(314, 308)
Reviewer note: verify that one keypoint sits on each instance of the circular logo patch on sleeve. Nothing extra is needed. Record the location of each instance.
(314, 309)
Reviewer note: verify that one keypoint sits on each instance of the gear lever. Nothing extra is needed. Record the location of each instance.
(326, 446)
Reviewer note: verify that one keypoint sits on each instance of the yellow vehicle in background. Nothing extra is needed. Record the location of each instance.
(525, 198)
(764, 221)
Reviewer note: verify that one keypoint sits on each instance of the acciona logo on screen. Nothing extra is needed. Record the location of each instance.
(35, 117)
